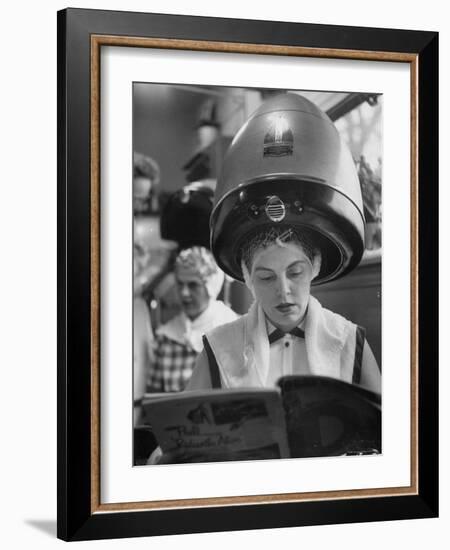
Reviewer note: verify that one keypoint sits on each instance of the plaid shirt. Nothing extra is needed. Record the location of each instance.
(173, 366)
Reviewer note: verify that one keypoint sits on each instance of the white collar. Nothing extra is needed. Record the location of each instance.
(272, 328)
(189, 332)
(325, 334)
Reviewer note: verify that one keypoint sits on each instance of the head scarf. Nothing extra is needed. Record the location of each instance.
(200, 260)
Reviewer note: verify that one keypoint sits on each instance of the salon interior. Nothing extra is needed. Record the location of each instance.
(180, 136)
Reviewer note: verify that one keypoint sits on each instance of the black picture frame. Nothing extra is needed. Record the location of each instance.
(79, 515)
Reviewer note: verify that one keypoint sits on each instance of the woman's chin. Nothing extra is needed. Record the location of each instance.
(286, 321)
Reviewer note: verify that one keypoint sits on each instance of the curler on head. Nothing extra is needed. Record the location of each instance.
(279, 235)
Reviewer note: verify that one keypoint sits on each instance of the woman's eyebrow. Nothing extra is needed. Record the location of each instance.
(262, 268)
(293, 264)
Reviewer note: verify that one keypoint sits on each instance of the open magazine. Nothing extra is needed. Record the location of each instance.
(305, 416)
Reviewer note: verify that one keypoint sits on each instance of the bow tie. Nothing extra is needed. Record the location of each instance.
(277, 334)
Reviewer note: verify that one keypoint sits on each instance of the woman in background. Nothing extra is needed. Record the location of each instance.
(179, 341)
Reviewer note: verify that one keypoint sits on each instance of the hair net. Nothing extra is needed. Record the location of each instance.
(280, 236)
(200, 260)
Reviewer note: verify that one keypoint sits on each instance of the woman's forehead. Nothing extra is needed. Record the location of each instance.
(187, 274)
(278, 256)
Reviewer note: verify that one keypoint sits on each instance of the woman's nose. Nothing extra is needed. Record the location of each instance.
(283, 288)
(184, 291)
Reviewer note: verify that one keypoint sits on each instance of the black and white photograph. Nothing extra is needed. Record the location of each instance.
(225, 283)
(257, 273)
(246, 274)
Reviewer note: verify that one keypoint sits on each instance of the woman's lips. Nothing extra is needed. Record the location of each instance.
(285, 307)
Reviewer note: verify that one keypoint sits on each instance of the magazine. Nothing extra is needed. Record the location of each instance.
(305, 416)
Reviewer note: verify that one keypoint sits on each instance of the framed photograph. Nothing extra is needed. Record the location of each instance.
(164, 123)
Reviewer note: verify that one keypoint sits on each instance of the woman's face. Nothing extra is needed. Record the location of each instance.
(193, 293)
(281, 278)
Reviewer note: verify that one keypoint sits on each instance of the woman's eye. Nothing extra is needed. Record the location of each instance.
(266, 278)
(295, 273)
